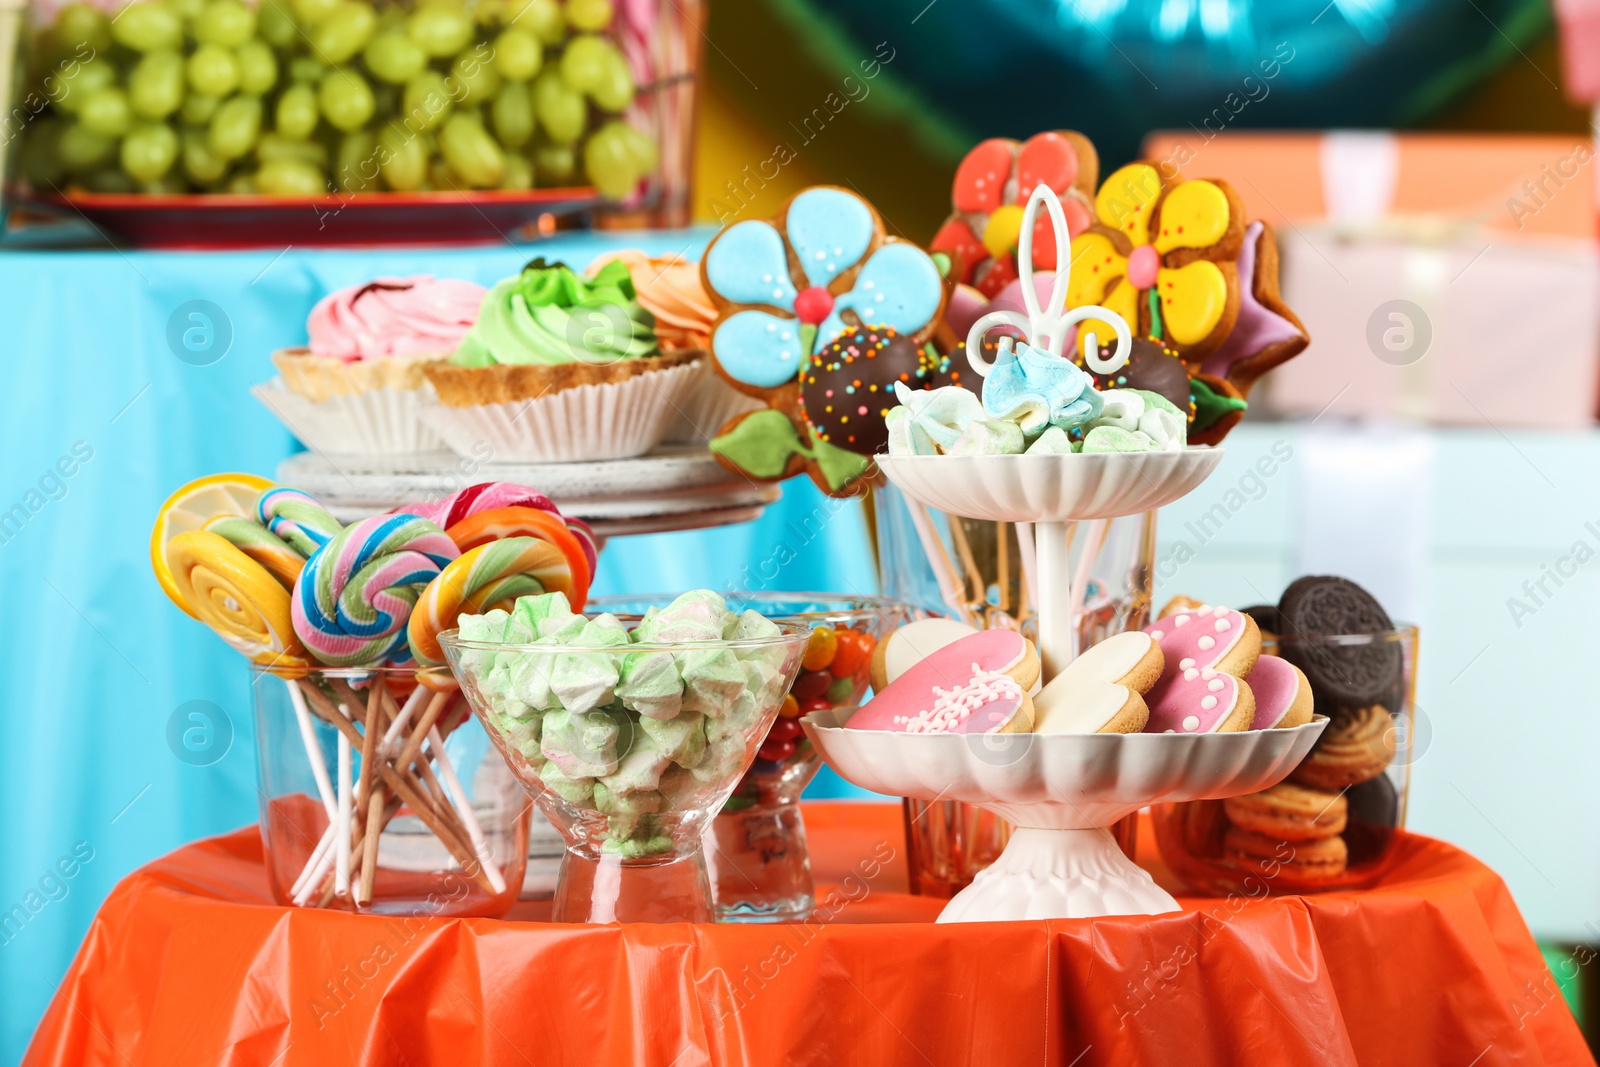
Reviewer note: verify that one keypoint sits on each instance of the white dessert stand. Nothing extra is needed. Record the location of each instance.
(1061, 791)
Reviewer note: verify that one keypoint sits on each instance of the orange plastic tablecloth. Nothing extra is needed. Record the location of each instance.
(190, 962)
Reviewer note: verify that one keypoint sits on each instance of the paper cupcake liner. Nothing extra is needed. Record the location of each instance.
(587, 422)
(706, 408)
(381, 422)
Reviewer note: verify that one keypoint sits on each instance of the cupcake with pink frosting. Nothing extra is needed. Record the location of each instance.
(355, 388)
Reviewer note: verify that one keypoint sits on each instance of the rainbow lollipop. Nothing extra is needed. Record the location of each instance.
(492, 496)
(490, 576)
(354, 597)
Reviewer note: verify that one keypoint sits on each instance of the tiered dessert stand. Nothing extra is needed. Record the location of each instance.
(1061, 791)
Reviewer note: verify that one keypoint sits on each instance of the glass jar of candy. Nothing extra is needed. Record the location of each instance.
(379, 794)
(757, 854)
(1331, 824)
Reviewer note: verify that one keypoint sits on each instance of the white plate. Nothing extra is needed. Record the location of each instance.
(1050, 488)
(1060, 781)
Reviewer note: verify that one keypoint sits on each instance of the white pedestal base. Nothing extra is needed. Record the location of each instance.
(1058, 874)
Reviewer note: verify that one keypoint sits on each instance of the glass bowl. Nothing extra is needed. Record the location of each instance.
(630, 751)
(759, 861)
(1355, 780)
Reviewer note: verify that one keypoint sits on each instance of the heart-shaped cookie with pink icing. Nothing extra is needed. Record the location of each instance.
(975, 684)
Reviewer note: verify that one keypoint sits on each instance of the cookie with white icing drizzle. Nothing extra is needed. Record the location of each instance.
(977, 684)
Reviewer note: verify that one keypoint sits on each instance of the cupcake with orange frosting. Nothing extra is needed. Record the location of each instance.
(356, 387)
(669, 287)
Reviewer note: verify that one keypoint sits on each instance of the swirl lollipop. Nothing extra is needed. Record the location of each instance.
(260, 544)
(497, 524)
(296, 518)
(236, 596)
(355, 594)
(474, 500)
(489, 576)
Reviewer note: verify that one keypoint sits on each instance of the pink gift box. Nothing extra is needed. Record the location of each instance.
(1448, 279)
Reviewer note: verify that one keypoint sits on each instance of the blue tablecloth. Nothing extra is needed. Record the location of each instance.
(106, 412)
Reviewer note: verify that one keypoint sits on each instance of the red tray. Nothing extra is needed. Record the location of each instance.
(215, 220)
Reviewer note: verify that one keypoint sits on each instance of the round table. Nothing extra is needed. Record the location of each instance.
(189, 961)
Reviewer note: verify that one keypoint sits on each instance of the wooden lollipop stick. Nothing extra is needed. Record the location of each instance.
(464, 806)
(459, 850)
(414, 743)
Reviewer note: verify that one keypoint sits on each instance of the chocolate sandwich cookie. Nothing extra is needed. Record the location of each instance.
(1343, 674)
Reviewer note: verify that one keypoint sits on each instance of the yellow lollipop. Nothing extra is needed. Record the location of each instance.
(235, 596)
(191, 507)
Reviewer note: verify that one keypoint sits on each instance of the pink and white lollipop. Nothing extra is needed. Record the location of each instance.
(354, 596)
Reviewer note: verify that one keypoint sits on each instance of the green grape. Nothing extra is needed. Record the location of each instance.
(584, 64)
(402, 158)
(608, 160)
(198, 109)
(426, 102)
(493, 13)
(275, 23)
(82, 149)
(273, 146)
(346, 100)
(543, 19)
(297, 114)
(440, 176)
(440, 31)
(291, 177)
(169, 184)
(357, 167)
(519, 173)
(615, 91)
(471, 152)
(392, 19)
(111, 180)
(227, 23)
(589, 14)
(395, 58)
(258, 68)
(517, 55)
(146, 25)
(561, 110)
(235, 127)
(474, 77)
(106, 112)
(41, 156)
(199, 162)
(213, 70)
(242, 185)
(155, 85)
(512, 115)
(554, 163)
(345, 31)
(312, 12)
(641, 146)
(149, 151)
(306, 69)
(81, 26)
(75, 85)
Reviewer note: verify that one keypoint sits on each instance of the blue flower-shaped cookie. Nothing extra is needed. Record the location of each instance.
(783, 289)
(786, 289)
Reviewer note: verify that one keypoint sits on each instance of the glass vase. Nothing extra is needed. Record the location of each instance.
(1358, 776)
(983, 573)
(434, 823)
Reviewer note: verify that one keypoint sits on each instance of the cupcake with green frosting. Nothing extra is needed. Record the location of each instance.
(571, 360)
